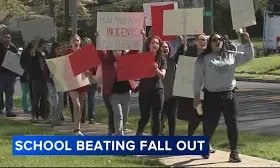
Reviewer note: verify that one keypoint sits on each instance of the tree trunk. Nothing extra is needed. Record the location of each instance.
(51, 8)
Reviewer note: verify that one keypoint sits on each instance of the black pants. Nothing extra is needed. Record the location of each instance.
(40, 95)
(216, 103)
(150, 101)
(169, 112)
(72, 109)
(108, 105)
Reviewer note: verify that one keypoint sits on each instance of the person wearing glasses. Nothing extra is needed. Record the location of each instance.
(214, 71)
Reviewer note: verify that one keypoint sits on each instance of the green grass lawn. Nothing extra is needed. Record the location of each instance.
(250, 144)
(266, 68)
(9, 128)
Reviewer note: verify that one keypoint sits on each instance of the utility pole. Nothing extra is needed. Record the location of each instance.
(74, 16)
(66, 19)
(208, 17)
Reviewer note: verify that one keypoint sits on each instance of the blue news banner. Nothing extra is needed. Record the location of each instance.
(110, 145)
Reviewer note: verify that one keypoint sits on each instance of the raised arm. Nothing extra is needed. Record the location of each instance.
(246, 56)
(35, 47)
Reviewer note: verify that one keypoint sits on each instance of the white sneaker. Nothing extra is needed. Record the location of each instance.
(78, 133)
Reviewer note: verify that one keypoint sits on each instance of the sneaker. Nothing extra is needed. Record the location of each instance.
(234, 157)
(205, 156)
(211, 150)
(139, 134)
(10, 114)
(78, 133)
(33, 120)
(91, 121)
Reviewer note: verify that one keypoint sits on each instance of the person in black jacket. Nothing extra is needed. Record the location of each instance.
(7, 77)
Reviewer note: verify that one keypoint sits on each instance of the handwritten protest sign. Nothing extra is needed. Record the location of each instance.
(242, 13)
(64, 78)
(12, 63)
(44, 28)
(188, 21)
(148, 13)
(183, 84)
(119, 30)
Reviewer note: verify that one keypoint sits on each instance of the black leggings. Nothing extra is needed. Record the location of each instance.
(150, 100)
(108, 105)
(169, 112)
(216, 103)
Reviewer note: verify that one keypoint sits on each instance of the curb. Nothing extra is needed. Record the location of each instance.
(257, 80)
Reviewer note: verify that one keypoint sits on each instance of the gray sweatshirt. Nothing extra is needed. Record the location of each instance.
(217, 73)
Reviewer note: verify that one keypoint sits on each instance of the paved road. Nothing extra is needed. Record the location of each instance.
(259, 106)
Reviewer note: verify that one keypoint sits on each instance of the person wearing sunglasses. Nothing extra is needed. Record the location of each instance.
(214, 70)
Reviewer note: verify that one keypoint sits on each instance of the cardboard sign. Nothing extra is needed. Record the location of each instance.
(188, 21)
(148, 13)
(43, 28)
(242, 13)
(12, 63)
(157, 21)
(135, 66)
(183, 84)
(64, 78)
(119, 30)
(84, 59)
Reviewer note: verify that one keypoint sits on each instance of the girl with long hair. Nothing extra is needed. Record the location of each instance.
(214, 70)
(151, 90)
(56, 99)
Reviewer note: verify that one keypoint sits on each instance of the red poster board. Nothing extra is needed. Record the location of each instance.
(84, 59)
(157, 21)
(136, 66)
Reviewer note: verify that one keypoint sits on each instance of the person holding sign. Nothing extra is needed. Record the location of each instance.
(7, 77)
(151, 90)
(120, 96)
(78, 95)
(170, 101)
(215, 69)
(56, 99)
(38, 83)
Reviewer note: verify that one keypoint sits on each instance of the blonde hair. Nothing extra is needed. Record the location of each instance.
(74, 36)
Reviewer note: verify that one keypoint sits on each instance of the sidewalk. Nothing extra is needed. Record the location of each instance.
(219, 159)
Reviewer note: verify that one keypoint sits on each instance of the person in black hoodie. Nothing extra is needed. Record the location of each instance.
(7, 77)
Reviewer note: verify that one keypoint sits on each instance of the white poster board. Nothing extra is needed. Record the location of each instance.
(44, 28)
(119, 30)
(188, 21)
(148, 13)
(242, 13)
(64, 79)
(12, 63)
(183, 84)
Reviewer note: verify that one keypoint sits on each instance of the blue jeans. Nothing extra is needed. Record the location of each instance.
(91, 101)
(7, 84)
